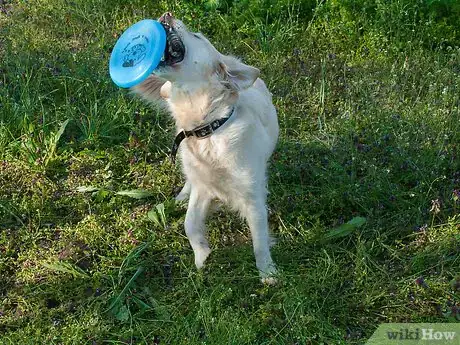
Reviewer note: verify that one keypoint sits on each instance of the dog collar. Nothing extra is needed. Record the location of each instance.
(200, 132)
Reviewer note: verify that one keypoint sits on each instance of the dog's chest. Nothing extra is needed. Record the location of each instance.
(206, 152)
(208, 162)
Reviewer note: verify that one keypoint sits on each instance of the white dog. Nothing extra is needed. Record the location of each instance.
(236, 132)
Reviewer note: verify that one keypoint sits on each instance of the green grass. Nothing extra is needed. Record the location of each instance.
(368, 102)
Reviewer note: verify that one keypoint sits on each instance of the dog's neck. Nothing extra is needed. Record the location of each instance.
(193, 105)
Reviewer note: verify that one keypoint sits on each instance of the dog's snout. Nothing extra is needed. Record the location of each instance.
(166, 18)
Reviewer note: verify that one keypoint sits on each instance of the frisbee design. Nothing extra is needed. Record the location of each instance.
(137, 53)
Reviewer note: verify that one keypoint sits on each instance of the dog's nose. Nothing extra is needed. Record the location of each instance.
(166, 18)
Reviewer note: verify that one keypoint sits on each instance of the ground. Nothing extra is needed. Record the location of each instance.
(364, 184)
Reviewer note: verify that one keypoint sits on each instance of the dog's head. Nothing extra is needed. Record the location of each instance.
(191, 59)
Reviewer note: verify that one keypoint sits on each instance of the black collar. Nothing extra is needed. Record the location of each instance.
(200, 132)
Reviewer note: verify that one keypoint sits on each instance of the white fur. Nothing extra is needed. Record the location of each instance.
(231, 164)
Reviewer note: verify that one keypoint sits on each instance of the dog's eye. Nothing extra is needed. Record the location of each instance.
(196, 35)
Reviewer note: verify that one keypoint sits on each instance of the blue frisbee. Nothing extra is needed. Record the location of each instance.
(137, 53)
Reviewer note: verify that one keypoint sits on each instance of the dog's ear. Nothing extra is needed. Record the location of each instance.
(165, 90)
(236, 74)
(153, 89)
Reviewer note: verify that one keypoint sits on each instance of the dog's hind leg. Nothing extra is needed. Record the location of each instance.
(185, 192)
(195, 227)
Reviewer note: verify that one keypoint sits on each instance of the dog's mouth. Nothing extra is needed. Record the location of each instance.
(175, 48)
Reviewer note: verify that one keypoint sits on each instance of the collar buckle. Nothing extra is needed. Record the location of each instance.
(203, 131)
(200, 132)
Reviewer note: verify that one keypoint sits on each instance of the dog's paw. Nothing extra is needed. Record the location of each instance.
(269, 281)
(200, 256)
(268, 276)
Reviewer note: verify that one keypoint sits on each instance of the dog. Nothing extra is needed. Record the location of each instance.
(203, 88)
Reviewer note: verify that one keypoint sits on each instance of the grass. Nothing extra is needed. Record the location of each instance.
(92, 248)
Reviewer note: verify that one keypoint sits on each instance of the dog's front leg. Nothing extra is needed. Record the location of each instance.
(195, 227)
(256, 216)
